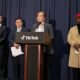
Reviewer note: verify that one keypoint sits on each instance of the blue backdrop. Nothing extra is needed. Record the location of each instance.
(60, 13)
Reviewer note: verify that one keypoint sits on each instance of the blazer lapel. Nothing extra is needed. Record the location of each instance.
(22, 29)
(45, 28)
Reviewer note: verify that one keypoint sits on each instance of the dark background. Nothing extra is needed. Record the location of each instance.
(60, 13)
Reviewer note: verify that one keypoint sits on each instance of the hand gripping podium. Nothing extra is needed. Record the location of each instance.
(34, 53)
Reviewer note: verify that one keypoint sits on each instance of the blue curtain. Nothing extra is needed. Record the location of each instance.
(60, 13)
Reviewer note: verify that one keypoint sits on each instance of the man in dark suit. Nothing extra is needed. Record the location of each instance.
(42, 26)
(2, 45)
(18, 61)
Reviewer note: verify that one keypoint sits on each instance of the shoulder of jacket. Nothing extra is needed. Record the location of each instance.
(34, 25)
(47, 24)
(73, 27)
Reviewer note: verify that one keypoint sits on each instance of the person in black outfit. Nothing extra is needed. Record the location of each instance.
(18, 61)
(2, 45)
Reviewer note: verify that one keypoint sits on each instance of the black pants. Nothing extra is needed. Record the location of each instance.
(1, 60)
(18, 67)
(48, 66)
(76, 74)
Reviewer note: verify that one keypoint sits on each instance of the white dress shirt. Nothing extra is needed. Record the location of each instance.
(40, 28)
(0, 25)
(19, 29)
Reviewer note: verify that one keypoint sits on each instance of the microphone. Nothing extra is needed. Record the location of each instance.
(38, 24)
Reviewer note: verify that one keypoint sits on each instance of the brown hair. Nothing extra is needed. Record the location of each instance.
(41, 12)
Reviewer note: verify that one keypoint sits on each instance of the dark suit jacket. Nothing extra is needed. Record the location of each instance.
(12, 37)
(47, 28)
(3, 32)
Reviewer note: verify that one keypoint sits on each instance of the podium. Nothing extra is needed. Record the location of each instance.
(34, 53)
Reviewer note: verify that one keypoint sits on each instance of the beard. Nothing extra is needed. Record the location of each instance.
(78, 25)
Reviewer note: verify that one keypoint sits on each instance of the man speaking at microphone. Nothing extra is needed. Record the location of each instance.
(42, 26)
